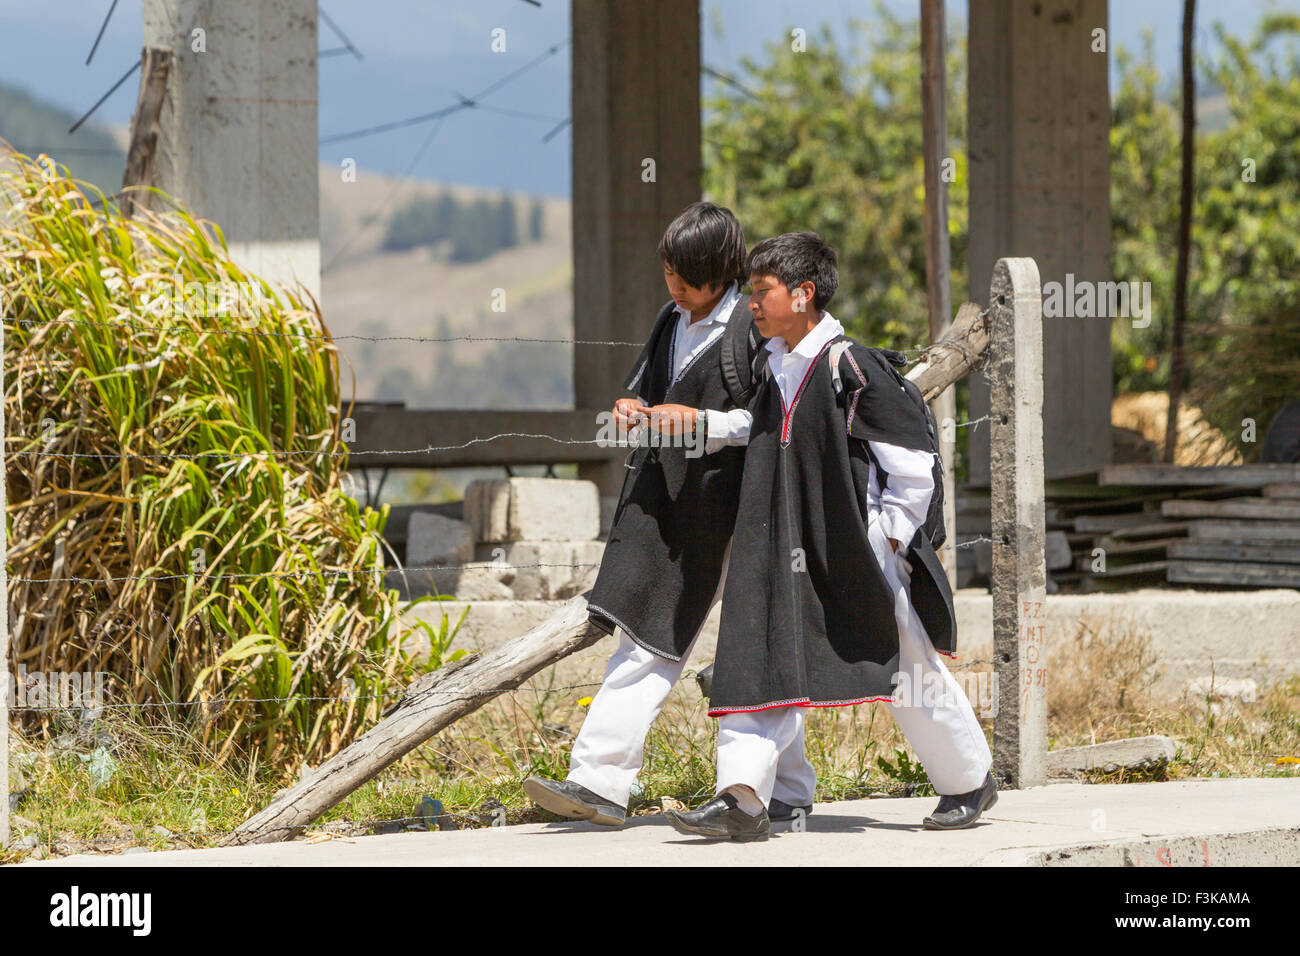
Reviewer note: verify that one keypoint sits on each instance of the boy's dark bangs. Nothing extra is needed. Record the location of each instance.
(705, 246)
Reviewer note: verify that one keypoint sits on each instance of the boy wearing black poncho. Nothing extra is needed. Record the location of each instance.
(835, 595)
(667, 552)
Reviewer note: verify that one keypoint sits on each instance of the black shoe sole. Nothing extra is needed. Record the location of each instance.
(789, 819)
(681, 826)
(930, 824)
(563, 806)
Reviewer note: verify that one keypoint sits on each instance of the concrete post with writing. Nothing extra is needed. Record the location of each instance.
(1015, 376)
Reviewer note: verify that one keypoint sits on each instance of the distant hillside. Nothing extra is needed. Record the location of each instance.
(93, 153)
(424, 291)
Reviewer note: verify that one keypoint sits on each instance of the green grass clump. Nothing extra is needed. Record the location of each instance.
(130, 340)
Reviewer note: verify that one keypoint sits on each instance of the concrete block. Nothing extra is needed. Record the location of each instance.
(434, 539)
(1135, 753)
(1240, 634)
(533, 509)
(530, 571)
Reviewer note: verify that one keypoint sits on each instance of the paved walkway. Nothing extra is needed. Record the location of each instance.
(1185, 823)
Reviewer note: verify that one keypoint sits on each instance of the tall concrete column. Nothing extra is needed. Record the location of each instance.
(238, 129)
(636, 164)
(1040, 187)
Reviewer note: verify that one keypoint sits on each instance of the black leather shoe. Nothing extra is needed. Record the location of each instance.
(959, 810)
(721, 818)
(778, 811)
(568, 799)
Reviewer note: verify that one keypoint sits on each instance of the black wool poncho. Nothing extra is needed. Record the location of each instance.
(663, 559)
(807, 614)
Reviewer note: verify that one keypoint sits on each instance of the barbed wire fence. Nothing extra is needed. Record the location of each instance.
(209, 708)
(206, 579)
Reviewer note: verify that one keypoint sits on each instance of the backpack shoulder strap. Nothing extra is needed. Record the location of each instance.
(739, 343)
(833, 355)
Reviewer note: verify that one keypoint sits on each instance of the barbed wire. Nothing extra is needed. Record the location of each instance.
(396, 696)
(320, 572)
(420, 696)
(234, 455)
(321, 453)
(134, 325)
(203, 578)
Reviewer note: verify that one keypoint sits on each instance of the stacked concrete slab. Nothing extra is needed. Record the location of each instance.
(522, 539)
(523, 546)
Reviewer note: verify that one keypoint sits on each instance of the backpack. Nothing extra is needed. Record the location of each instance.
(933, 526)
(741, 346)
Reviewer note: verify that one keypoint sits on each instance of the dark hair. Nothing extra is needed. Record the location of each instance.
(705, 246)
(795, 258)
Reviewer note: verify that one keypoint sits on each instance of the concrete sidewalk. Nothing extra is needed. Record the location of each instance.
(1237, 822)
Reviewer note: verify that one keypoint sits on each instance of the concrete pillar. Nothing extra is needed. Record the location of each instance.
(238, 130)
(1016, 503)
(1040, 187)
(636, 164)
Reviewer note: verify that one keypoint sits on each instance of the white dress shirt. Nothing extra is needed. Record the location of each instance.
(692, 338)
(901, 508)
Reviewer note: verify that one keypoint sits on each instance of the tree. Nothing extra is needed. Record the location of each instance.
(536, 223)
(507, 224)
(1187, 174)
(833, 143)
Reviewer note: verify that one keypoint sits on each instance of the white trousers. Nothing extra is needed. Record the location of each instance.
(610, 748)
(933, 712)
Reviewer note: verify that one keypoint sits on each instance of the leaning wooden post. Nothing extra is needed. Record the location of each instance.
(438, 699)
(1015, 375)
(143, 147)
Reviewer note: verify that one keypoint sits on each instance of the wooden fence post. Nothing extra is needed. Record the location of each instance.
(1015, 374)
(938, 252)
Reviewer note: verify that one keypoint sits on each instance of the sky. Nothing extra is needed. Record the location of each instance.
(418, 55)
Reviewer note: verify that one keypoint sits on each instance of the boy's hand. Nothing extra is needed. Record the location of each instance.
(672, 419)
(627, 410)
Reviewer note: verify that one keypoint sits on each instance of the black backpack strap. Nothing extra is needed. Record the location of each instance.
(740, 343)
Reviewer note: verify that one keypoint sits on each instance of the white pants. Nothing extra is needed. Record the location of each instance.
(933, 712)
(610, 747)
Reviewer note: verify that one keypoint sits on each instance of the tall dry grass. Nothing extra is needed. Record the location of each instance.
(99, 360)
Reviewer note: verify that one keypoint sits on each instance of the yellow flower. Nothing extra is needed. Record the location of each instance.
(585, 702)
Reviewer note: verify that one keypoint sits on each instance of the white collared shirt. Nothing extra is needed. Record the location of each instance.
(901, 508)
(692, 338)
